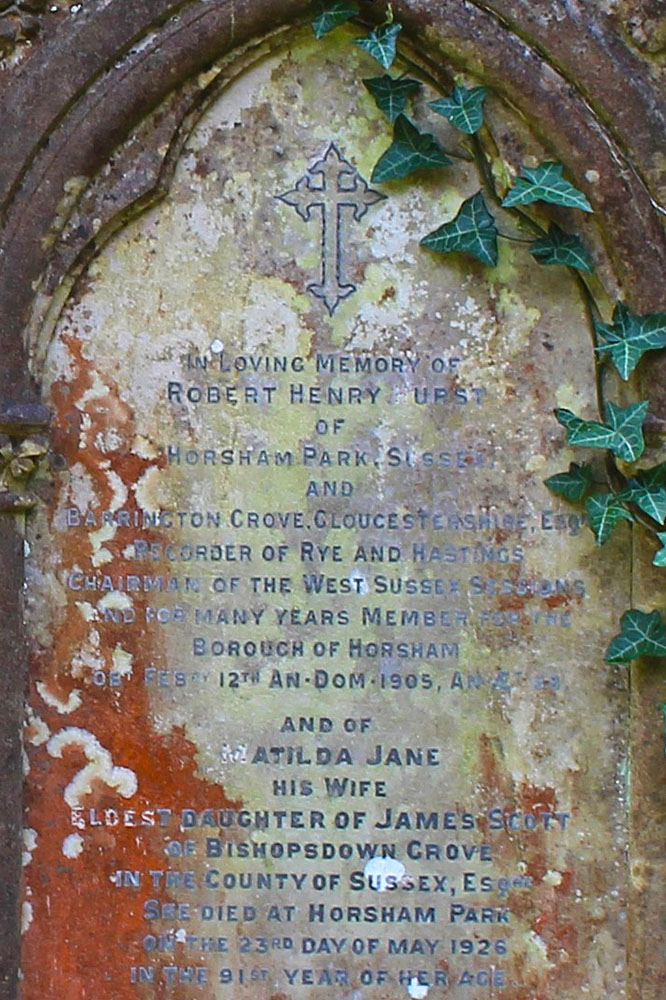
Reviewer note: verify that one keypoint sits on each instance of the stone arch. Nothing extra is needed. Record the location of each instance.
(81, 112)
(83, 92)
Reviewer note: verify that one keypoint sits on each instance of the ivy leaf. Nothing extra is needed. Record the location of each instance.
(652, 501)
(391, 95)
(411, 150)
(586, 433)
(660, 556)
(546, 183)
(464, 108)
(562, 248)
(574, 484)
(630, 336)
(641, 634)
(330, 15)
(627, 424)
(472, 231)
(653, 477)
(605, 510)
(623, 435)
(381, 43)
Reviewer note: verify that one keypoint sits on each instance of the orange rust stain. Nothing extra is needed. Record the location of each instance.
(562, 600)
(555, 923)
(86, 933)
(511, 602)
(566, 883)
(494, 779)
(558, 933)
(537, 799)
(556, 920)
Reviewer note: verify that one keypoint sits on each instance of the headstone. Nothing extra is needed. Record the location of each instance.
(318, 705)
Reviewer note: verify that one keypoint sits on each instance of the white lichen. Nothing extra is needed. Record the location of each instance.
(72, 846)
(53, 701)
(100, 766)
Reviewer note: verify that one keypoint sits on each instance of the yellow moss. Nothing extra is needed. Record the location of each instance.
(518, 319)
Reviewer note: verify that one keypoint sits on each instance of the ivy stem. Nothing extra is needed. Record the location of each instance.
(645, 520)
(614, 477)
(514, 239)
(477, 154)
(484, 169)
(592, 310)
(491, 188)
(639, 515)
(618, 483)
(593, 316)
(459, 156)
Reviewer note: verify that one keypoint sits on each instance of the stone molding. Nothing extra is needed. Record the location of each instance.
(94, 116)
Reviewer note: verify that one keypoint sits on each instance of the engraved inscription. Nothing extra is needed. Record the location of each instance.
(318, 705)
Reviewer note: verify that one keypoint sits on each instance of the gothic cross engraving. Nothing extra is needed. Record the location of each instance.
(332, 187)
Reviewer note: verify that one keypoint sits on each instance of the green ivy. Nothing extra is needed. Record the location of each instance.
(604, 511)
(574, 484)
(381, 43)
(464, 108)
(331, 15)
(472, 231)
(391, 95)
(641, 634)
(635, 496)
(660, 556)
(410, 150)
(629, 336)
(561, 248)
(546, 183)
(651, 501)
(622, 434)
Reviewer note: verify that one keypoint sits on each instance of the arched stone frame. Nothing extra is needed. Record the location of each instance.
(79, 144)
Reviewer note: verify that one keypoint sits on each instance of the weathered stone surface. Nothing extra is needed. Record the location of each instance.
(55, 133)
(144, 715)
(646, 23)
(90, 79)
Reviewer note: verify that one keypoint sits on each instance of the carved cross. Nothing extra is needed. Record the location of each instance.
(332, 186)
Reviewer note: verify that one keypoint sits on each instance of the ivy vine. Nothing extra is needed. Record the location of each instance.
(629, 493)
